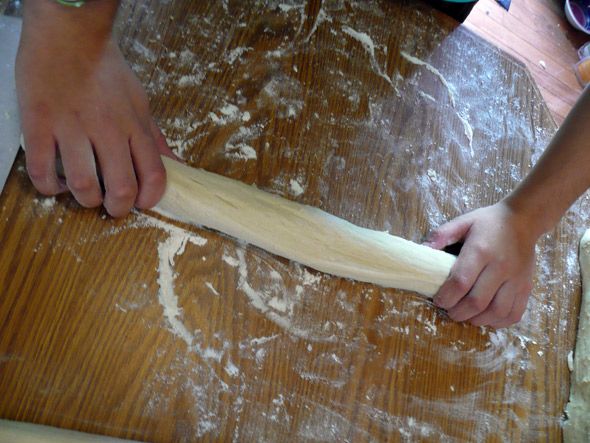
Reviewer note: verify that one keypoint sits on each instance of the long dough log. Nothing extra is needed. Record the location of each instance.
(18, 432)
(299, 232)
(577, 427)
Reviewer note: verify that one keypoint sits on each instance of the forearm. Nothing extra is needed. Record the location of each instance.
(560, 176)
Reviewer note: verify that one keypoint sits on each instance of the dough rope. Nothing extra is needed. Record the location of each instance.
(299, 232)
(576, 429)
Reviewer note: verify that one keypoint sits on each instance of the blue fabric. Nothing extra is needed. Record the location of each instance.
(505, 3)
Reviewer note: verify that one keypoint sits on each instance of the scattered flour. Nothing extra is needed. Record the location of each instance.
(286, 8)
(464, 117)
(144, 51)
(426, 96)
(310, 279)
(174, 245)
(320, 18)
(45, 204)
(189, 80)
(234, 263)
(210, 286)
(295, 188)
(369, 46)
(240, 151)
(231, 369)
(238, 146)
(363, 39)
(236, 53)
(435, 71)
(230, 111)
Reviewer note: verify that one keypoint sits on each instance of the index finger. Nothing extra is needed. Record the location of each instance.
(464, 274)
(40, 152)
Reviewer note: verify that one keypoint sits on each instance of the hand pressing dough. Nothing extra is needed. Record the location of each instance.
(576, 429)
(299, 232)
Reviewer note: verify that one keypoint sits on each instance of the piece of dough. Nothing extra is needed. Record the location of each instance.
(299, 232)
(576, 429)
(19, 432)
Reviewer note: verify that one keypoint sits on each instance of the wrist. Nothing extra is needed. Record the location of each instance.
(531, 219)
(53, 20)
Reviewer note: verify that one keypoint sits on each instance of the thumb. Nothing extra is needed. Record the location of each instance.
(161, 142)
(448, 234)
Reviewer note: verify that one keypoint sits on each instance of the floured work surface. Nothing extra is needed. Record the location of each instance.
(381, 113)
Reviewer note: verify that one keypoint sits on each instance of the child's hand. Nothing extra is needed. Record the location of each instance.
(491, 281)
(78, 99)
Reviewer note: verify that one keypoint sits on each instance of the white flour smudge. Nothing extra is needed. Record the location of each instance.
(368, 45)
(435, 71)
(295, 188)
(464, 117)
(45, 204)
(173, 246)
(426, 96)
(167, 250)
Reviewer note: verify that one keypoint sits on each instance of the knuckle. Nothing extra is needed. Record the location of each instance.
(499, 310)
(124, 191)
(460, 283)
(144, 140)
(443, 301)
(79, 183)
(42, 181)
(515, 317)
(478, 304)
(155, 178)
(36, 171)
(483, 250)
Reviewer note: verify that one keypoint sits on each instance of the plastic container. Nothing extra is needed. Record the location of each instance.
(582, 70)
(584, 51)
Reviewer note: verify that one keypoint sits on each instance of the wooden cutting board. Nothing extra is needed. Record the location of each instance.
(383, 113)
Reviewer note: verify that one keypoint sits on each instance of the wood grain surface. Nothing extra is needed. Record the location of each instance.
(327, 98)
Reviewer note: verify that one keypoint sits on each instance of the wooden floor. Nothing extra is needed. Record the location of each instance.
(536, 32)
